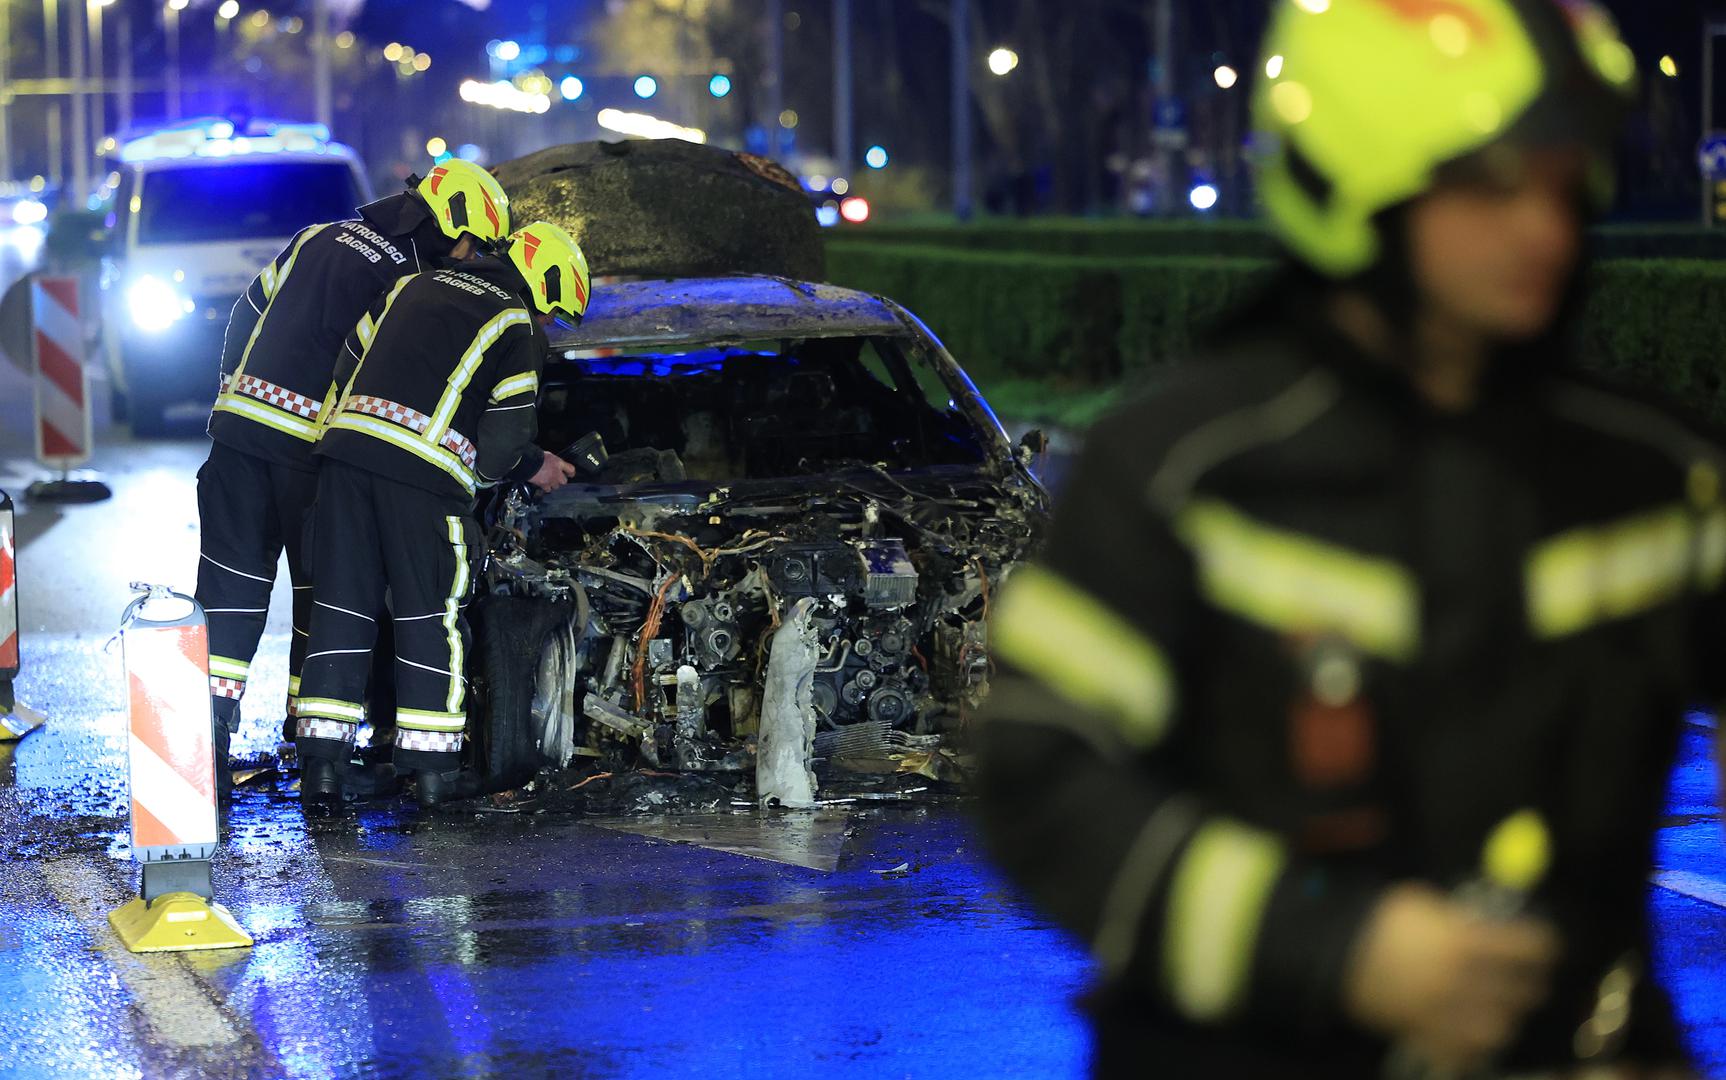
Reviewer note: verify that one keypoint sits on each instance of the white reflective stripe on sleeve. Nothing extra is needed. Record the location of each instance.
(526, 383)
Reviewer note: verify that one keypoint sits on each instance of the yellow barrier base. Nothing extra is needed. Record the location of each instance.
(177, 922)
(18, 722)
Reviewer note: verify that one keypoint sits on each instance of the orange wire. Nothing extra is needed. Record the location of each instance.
(649, 630)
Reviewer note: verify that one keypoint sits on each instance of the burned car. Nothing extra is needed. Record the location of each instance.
(776, 452)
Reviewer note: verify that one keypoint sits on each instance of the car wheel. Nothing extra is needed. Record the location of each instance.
(510, 635)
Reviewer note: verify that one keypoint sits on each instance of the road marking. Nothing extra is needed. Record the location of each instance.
(355, 859)
(1695, 886)
(174, 1002)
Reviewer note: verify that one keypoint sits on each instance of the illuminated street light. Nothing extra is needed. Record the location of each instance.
(393, 51)
(260, 18)
(642, 126)
(1203, 197)
(508, 50)
(436, 146)
(646, 86)
(1226, 76)
(1003, 60)
(422, 62)
(228, 10)
(1668, 67)
(875, 157)
(571, 88)
(504, 95)
(1274, 67)
(178, 5)
(719, 85)
(789, 119)
(841, 185)
(345, 39)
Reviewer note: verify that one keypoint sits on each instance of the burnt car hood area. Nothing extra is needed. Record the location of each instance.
(784, 566)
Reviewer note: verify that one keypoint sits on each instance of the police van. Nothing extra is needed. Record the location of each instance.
(197, 211)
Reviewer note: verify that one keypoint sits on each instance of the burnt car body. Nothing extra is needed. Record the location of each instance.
(772, 443)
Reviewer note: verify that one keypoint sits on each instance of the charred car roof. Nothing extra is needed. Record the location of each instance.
(729, 309)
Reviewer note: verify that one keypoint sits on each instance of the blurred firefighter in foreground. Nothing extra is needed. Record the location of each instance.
(256, 489)
(440, 384)
(1337, 714)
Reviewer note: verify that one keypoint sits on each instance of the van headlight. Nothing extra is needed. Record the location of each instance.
(155, 305)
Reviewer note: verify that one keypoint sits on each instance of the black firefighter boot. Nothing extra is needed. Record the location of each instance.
(323, 773)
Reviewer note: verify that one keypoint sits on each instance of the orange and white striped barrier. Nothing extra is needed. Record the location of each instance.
(173, 778)
(16, 721)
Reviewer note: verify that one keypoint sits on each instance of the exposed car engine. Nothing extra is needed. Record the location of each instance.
(673, 602)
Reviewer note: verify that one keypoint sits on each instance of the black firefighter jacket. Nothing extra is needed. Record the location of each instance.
(439, 383)
(1297, 636)
(285, 332)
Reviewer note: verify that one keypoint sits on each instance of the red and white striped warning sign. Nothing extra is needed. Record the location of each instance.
(173, 759)
(63, 420)
(8, 592)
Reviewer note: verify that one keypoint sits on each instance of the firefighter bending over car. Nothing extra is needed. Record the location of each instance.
(439, 384)
(281, 348)
(1337, 715)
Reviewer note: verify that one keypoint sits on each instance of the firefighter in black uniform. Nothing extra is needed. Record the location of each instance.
(256, 489)
(439, 389)
(1336, 715)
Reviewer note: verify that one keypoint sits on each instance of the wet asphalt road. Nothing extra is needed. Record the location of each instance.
(491, 943)
(497, 943)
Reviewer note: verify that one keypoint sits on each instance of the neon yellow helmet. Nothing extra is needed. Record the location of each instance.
(555, 269)
(466, 199)
(1362, 101)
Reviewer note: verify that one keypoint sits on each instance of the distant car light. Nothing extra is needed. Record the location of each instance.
(29, 212)
(154, 304)
(571, 88)
(856, 211)
(27, 241)
(1203, 197)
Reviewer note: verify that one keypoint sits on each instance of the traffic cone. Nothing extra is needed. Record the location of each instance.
(16, 721)
(173, 779)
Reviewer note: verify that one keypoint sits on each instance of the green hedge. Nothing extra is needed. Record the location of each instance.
(1054, 336)
(1131, 238)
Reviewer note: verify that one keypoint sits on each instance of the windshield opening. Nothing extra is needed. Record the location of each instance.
(266, 200)
(763, 410)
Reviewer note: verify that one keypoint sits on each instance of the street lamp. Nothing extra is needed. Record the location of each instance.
(646, 86)
(1003, 60)
(1226, 76)
(171, 25)
(228, 10)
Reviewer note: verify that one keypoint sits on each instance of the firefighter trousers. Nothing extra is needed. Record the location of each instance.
(369, 535)
(250, 511)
